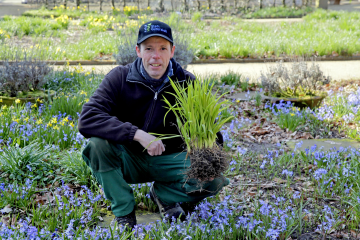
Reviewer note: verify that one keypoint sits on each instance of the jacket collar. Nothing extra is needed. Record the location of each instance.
(135, 76)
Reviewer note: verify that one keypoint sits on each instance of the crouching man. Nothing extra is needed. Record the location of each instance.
(118, 118)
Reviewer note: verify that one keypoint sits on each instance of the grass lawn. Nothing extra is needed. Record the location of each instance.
(47, 191)
(80, 35)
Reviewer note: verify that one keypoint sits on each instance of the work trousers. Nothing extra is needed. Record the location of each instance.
(115, 166)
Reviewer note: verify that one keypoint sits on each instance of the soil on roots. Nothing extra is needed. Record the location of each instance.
(207, 163)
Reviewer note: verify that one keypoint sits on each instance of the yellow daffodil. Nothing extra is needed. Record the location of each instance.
(39, 121)
(71, 124)
(26, 119)
(291, 114)
(0, 100)
(49, 124)
(34, 105)
(3, 107)
(17, 100)
(56, 127)
(86, 100)
(54, 120)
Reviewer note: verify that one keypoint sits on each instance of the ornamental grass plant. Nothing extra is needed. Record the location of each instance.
(197, 112)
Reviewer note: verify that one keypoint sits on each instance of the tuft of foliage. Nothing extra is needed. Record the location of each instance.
(28, 74)
(298, 81)
(75, 170)
(18, 164)
(231, 78)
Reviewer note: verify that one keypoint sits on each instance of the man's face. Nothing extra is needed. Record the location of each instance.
(156, 53)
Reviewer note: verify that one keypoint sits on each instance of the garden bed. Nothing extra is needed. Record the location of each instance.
(275, 192)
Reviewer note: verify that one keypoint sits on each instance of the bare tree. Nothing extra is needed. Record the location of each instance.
(161, 5)
(198, 5)
(186, 5)
(222, 3)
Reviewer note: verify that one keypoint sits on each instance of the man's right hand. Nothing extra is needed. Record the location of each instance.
(146, 140)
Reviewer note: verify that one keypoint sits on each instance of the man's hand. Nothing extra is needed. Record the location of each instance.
(146, 140)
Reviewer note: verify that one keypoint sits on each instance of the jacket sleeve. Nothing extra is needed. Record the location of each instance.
(98, 118)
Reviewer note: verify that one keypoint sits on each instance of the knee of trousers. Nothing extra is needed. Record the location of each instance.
(102, 155)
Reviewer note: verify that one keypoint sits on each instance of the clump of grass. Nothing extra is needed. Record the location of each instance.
(197, 110)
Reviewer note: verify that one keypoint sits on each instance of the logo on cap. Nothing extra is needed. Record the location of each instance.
(149, 27)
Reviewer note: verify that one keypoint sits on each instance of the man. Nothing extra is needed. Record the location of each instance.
(120, 117)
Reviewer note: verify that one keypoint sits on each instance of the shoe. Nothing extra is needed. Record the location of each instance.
(129, 221)
(167, 211)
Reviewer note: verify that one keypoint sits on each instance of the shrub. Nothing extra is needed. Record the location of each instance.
(24, 75)
(196, 17)
(300, 80)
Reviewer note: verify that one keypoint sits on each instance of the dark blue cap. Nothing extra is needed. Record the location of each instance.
(154, 28)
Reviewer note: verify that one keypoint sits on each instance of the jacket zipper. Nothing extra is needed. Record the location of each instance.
(153, 104)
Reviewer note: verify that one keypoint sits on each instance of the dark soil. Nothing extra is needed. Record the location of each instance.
(208, 163)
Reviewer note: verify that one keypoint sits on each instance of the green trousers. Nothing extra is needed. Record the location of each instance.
(115, 166)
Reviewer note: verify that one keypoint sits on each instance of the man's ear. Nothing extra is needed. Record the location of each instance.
(138, 51)
(172, 51)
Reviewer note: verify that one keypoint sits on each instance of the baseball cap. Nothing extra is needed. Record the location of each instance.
(154, 28)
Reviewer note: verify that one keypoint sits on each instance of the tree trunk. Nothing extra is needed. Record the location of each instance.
(209, 3)
(235, 4)
(294, 3)
(223, 7)
(337, 2)
(112, 3)
(65, 4)
(261, 4)
(172, 5)
(148, 3)
(77, 3)
(101, 2)
(198, 5)
(284, 4)
(124, 3)
(161, 5)
(186, 6)
(138, 3)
